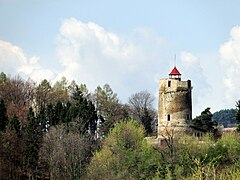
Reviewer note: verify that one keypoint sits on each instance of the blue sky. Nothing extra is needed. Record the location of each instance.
(128, 44)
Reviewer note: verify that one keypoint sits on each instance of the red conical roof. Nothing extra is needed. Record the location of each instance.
(175, 71)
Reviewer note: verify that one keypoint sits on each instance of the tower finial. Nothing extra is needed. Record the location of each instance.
(175, 60)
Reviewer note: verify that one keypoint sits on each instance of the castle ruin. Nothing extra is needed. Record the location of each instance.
(174, 105)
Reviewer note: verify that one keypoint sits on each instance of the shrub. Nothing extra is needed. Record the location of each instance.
(125, 154)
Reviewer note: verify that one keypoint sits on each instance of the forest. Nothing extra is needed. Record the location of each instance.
(63, 131)
(225, 117)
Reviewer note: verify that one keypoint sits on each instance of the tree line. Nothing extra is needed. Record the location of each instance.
(225, 117)
(45, 128)
(63, 131)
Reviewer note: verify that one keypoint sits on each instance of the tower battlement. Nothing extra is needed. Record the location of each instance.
(173, 85)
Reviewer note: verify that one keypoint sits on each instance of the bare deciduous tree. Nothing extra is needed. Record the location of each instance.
(141, 100)
(141, 104)
(66, 154)
(18, 95)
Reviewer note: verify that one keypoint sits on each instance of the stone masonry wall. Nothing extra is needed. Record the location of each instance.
(175, 104)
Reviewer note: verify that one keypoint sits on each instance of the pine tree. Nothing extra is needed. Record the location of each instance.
(237, 115)
(58, 113)
(147, 121)
(3, 116)
(204, 121)
(83, 112)
(15, 123)
(50, 115)
(141, 104)
(33, 141)
(107, 105)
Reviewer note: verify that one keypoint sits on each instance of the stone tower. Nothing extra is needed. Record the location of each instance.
(174, 104)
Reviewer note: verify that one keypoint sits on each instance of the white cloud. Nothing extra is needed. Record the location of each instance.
(193, 70)
(11, 56)
(92, 55)
(230, 61)
(189, 59)
(14, 61)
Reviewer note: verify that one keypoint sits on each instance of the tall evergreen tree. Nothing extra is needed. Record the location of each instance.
(92, 116)
(65, 113)
(3, 116)
(141, 104)
(15, 123)
(50, 115)
(237, 115)
(83, 112)
(44, 93)
(204, 121)
(58, 112)
(147, 121)
(60, 91)
(107, 105)
(33, 141)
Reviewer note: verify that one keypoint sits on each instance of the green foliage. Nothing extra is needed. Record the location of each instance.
(204, 121)
(225, 117)
(202, 171)
(60, 91)
(232, 143)
(83, 88)
(79, 114)
(125, 155)
(147, 121)
(55, 114)
(33, 139)
(67, 117)
(208, 158)
(187, 149)
(3, 77)
(58, 108)
(108, 107)
(83, 112)
(238, 128)
(3, 116)
(43, 93)
(15, 123)
(141, 104)
(230, 172)
(237, 114)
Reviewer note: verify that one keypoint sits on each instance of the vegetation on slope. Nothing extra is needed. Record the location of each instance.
(225, 117)
(63, 131)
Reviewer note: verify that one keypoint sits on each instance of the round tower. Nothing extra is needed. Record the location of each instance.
(174, 104)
